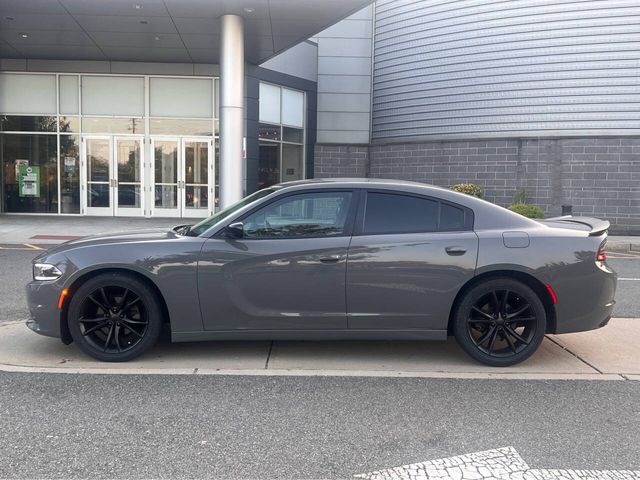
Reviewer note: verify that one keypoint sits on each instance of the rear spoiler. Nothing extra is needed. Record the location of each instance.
(596, 225)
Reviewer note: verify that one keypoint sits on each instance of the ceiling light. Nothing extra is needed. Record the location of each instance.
(137, 6)
(249, 9)
(156, 38)
(24, 35)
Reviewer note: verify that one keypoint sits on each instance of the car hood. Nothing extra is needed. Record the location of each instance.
(152, 234)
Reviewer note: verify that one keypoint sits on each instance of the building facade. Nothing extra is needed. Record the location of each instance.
(533, 96)
(154, 107)
(142, 144)
(520, 95)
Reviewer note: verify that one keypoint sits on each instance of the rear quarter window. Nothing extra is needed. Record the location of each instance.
(387, 213)
(451, 218)
(393, 213)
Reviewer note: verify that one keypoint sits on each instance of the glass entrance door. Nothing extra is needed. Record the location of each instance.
(182, 177)
(113, 176)
(97, 198)
(166, 165)
(196, 180)
(128, 179)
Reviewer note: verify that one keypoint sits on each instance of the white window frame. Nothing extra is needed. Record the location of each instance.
(147, 153)
(282, 125)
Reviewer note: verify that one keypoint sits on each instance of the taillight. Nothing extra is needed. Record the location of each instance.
(602, 253)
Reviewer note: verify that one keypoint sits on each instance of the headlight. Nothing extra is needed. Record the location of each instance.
(45, 271)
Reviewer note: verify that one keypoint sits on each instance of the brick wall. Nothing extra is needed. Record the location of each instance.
(599, 176)
(335, 161)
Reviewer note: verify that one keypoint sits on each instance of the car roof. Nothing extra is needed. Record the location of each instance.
(353, 181)
(349, 182)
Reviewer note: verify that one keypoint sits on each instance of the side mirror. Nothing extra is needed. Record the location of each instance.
(234, 230)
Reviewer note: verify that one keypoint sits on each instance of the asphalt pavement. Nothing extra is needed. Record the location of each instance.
(127, 426)
(191, 426)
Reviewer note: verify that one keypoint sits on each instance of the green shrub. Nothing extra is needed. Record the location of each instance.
(521, 196)
(529, 211)
(468, 188)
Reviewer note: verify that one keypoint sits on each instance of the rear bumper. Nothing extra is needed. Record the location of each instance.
(44, 316)
(587, 302)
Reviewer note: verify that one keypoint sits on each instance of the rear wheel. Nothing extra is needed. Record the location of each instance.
(500, 322)
(114, 317)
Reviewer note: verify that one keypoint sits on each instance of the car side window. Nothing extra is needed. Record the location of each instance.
(394, 213)
(451, 218)
(315, 214)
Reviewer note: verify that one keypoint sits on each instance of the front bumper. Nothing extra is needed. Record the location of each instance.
(42, 299)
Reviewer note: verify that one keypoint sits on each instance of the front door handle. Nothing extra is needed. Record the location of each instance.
(455, 251)
(331, 259)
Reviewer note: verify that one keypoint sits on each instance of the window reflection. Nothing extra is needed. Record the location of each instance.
(312, 214)
(112, 125)
(268, 164)
(30, 151)
(166, 173)
(69, 174)
(169, 126)
(27, 123)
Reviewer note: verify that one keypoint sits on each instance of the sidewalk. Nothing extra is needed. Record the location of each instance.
(44, 229)
(623, 244)
(609, 353)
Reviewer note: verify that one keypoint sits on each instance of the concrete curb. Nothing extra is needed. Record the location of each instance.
(624, 247)
(322, 373)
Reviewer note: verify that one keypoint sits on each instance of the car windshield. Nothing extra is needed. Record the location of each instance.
(204, 225)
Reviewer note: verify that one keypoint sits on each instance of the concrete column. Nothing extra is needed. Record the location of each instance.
(231, 109)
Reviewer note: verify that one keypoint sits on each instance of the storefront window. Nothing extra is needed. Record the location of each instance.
(269, 132)
(113, 125)
(30, 173)
(295, 135)
(172, 126)
(69, 124)
(268, 164)
(291, 162)
(281, 134)
(47, 122)
(27, 123)
(216, 169)
(69, 174)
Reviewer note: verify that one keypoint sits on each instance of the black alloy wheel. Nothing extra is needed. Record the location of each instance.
(500, 322)
(114, 317)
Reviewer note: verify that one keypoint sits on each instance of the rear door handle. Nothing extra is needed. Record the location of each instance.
(331, 259)
(455, 251)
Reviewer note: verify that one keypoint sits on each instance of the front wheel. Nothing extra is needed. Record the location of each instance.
(114, 317)
(500, 322)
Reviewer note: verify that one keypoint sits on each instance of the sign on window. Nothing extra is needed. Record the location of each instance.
(29, 181)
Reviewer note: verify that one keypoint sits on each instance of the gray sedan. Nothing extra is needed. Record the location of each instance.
(332, 259)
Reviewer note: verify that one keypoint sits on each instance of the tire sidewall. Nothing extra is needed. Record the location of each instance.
(473, 295)
(148, 298)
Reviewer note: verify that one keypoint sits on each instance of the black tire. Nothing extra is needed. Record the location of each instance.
(500, 322)
(114, 317)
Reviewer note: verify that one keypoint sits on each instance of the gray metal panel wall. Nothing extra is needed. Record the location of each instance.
(487, 68)
(344, 79)
(299, 61)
